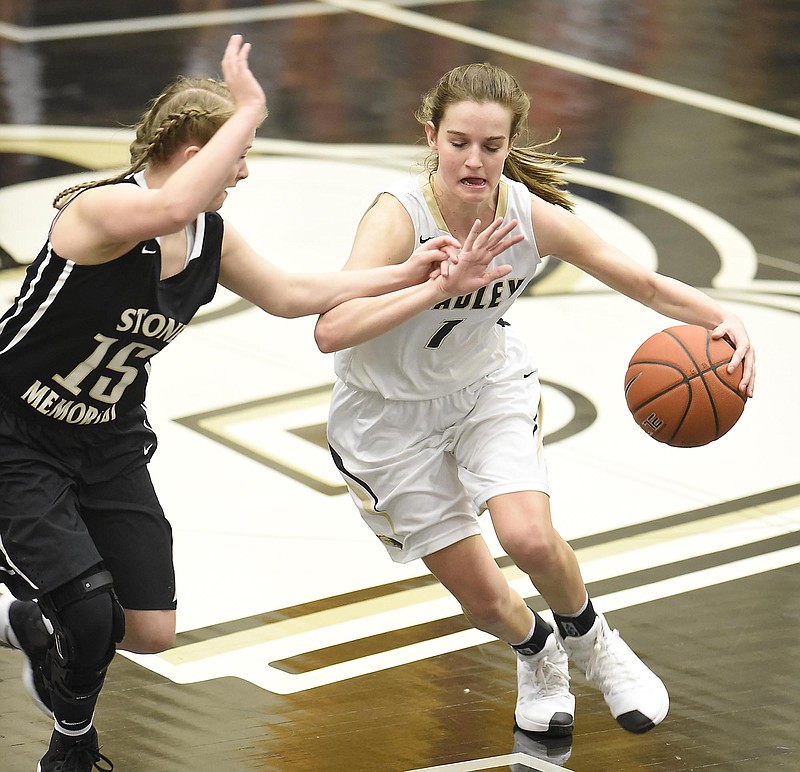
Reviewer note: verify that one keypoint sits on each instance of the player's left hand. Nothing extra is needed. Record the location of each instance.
(469, 269)
(745, 354)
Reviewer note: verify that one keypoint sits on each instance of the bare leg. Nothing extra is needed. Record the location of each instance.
(469, 572)
(636, 696)
(525, 529)
(148, 632)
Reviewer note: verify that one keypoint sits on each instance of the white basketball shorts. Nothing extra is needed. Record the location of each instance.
(420, 472)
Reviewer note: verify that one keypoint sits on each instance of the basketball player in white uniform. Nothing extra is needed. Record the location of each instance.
(435, 412)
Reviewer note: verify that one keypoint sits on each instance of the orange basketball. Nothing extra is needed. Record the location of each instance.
(678, 387)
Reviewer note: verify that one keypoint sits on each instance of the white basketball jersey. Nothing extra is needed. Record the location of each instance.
(455, 343)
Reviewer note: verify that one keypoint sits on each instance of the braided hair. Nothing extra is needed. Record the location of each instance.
(189, 110)
(539, 171)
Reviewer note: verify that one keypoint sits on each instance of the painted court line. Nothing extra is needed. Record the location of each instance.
(569, 63)
(420, 605)
(396, 13)
(252, 663)
(161, 23)
(738, 258)
(496, 762)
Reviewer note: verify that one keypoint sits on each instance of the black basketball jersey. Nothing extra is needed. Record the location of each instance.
(76, 344)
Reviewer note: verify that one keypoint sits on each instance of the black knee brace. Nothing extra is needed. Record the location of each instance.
(88, 622)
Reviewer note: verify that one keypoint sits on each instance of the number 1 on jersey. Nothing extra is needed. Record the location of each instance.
(444, 330)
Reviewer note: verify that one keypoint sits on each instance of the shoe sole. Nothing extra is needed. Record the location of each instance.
(561, 725)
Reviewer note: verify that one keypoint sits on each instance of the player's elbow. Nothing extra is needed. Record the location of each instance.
(326, 337)
(648, 289)
(323, 339)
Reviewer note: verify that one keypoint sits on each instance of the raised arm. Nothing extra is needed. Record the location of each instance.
(104, 222)
(565, 236)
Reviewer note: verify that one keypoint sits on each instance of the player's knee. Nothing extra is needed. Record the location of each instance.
(534, 549)
(489, 609)
(87, 623)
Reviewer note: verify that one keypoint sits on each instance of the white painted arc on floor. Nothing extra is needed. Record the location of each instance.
(738, 257)
(249, 665)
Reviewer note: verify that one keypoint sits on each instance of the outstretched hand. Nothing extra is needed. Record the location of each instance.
(733, 328)
(427, 260)
(245, 89)
(468, 270)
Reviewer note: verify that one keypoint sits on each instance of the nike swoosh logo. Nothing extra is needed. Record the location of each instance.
(422, 239)
(146, 251)
(147, 448)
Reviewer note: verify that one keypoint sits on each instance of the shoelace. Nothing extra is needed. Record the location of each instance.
(80, 754)
(607, 667)
(549, 678)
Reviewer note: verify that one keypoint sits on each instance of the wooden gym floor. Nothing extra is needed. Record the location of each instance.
(301, 646)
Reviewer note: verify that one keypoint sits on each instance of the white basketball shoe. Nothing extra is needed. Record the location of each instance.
(544, 702)
(636, 696)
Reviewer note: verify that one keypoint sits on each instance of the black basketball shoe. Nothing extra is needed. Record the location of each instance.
(22, 627)
(74, 754)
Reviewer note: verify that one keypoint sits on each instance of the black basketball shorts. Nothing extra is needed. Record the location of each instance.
(71, 498)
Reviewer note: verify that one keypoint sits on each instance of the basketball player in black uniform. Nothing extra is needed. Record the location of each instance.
(85, 548)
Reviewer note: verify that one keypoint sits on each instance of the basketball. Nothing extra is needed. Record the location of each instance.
(678, 387)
